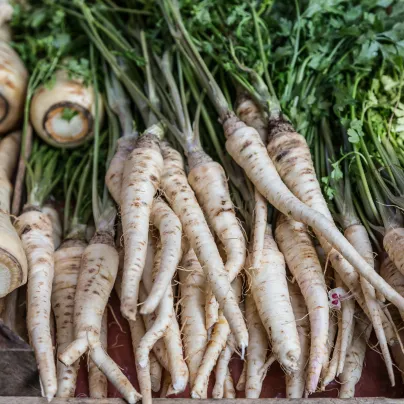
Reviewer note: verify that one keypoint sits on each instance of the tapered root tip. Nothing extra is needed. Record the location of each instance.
(49, 397)
(242, 348)
(195, 395)
(128, 312)
(180, 385)
(133, 398)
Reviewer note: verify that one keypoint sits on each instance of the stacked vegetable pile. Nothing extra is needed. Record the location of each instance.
(234, 170)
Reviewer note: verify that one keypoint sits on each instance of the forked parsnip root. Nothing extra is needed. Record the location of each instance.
(183, 201)
(170, 231)
(140, 182)
(99, 267)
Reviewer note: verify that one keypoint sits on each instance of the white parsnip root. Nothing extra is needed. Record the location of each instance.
(67, 267)
(195, 336)
(183, 202)
(269, 280)
(99, 267)
(140, 182)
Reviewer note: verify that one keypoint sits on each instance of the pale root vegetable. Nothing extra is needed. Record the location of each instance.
(347, 326)
(256, 353)
(332, 332)
(223, 362)
(114, 174)
(6, 14)
(260, 224)
(333, 364)
(393, 277)
(164, 313)
(140, 182)
(183, 201)
(296, 381)
(215, 346)
(13, 261)
(301, 257)
(355, 357)
(270, 291)
(35, 230)
(67, 267)
(246, 148)
(170, 231)
(177, 365)
(54, 217)
(97, 382)
(393, 243)
(229, 390)
(250, 113)
(165, 326)
(211, 308)
(149, 377)
(396, 349)
(159, 348)
(64, 114)
(13, 82)
(99, 267)
(195, 336)
(208, 180)
(166, 385)
(358, 237)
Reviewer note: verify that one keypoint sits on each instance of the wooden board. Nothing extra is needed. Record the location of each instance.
(35, 400)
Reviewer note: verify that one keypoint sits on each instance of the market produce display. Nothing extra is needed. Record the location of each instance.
(233, 170)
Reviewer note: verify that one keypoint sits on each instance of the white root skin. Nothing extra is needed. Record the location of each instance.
(141, 179)
(208, 180)
(164, 313)
(114, 174)
(177, 365)
(137, 331)
(240, 386)
(333, 365)
(67, 267)
(229, 390)
(301, 257)
(54, 217)
(13, 261)
(246, 148)
(215, 346)
(256, 353)
(358, 237)
(99, 267)
(182, 200)
(170, 231)
(355, 357)
(295, 382)
(260, 224)
(159, 348)
(393, 276)
(35, 230)
(195, 336)
(110, 368)
(396, 350)
(97, 382)
(166, 385)
(250, 113)
(270, 291)
(332, 332)
(393, 243)
(156, 372)
(211, 308)
(222, 364)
